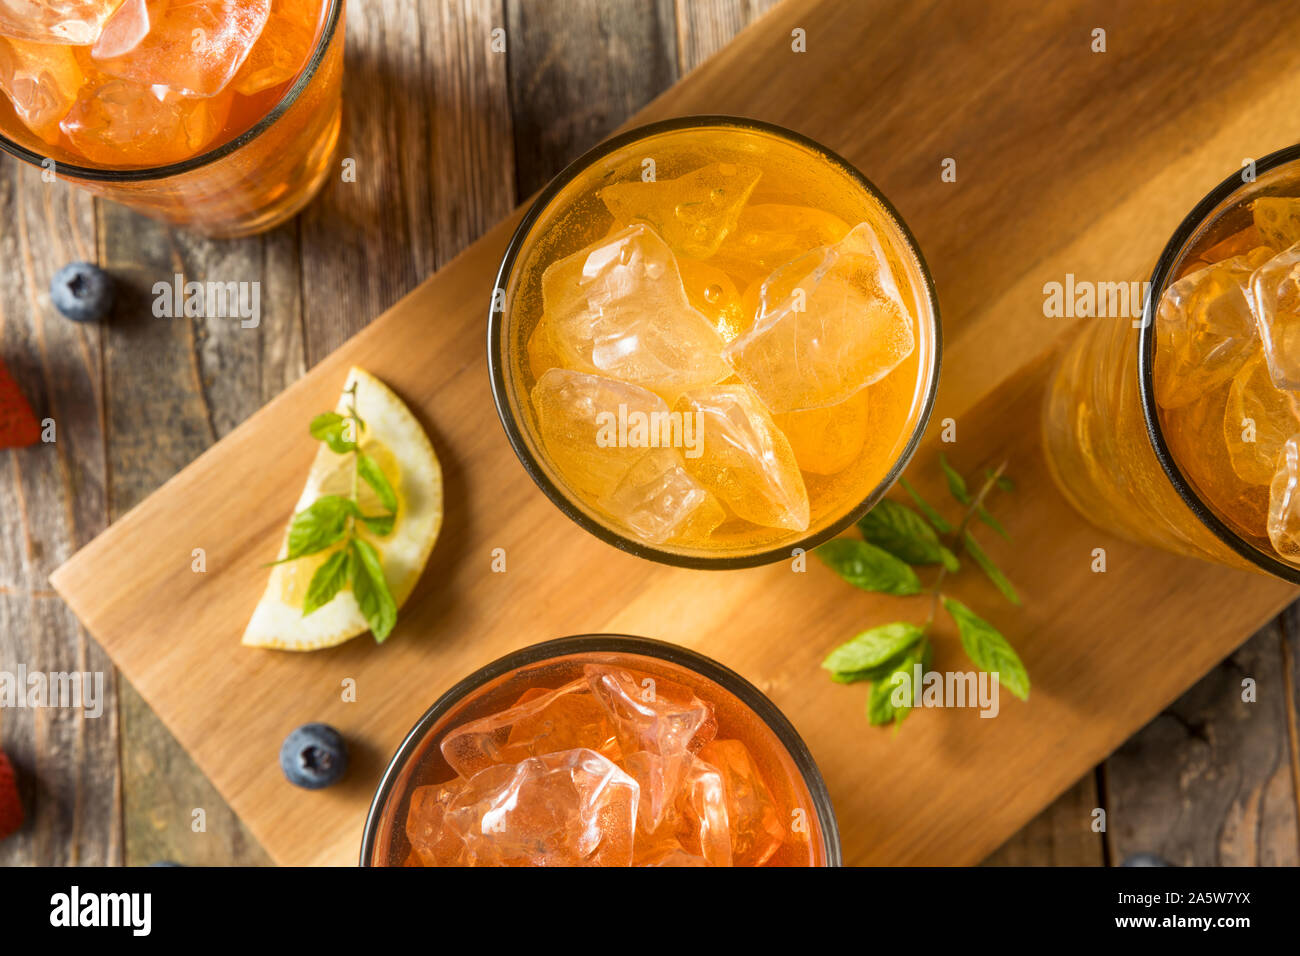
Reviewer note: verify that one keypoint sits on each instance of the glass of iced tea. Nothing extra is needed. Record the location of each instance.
(1182, 429)
(602, 750)
(712, 342)
(218, 115)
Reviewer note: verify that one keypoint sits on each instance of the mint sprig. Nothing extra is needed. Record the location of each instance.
(896, 539)
(989, 649)
(331, 520)
(905, 534)
(873, 653)
(870, 568)
(940, 524)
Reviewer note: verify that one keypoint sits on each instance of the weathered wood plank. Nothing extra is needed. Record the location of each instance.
(52, 502)
(1062, 835)
(214, 372)
(1209, 782)
(173, 387)
(472, 162)
(1289, 622)
(705, 26)
(578, 70)
(427, 132)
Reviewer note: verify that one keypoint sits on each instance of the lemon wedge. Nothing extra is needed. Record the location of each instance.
(395, 441)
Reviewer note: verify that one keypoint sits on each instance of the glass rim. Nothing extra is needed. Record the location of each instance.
(497, 364)
(1169, 258)
(691, 660)
(153, 173)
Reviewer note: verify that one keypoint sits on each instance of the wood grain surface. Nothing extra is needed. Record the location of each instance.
(447, 137)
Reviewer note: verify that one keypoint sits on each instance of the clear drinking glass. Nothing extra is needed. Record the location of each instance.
(742, 712)
(1112, 454)
(263, 175)
(803, 203)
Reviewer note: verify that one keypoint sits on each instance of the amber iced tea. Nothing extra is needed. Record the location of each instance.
(606, 759)
(716, 339)
(1219, 391)
(191, 111)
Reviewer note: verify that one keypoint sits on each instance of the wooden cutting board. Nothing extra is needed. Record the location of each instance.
(1068, 160)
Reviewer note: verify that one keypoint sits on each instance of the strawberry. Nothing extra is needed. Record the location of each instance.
(11, 809)
(18, 426)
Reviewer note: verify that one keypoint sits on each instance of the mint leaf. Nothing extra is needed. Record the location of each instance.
(880, 709)
(956, 483)
(1002, 481)
(994, 573)
(329, 427)
(380, 525)
(989, 649)
(373, 475)
(327, 582)
(870, 674)
(905, 534)
(871, 649)
(318, 526)
(870, 568)
(993, 522)
(940, 523)
(881, 706)
(371, 590)
(324, 423)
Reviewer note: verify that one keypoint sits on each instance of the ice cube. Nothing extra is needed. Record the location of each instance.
(542, 356)
(1257, 422)
(674, 857)
(1284, 503)
(432, 843)
(287, 41)
(683, 811)
(715, 296)
(746, 461)
(122, 124)
(75, 22)
(705, 830)
(1278, 219)
(1238, 243)
(533, 693)
(1205, 329)
(1275, 300)
(831, 322)
(827, 440)
(41, 80)
(618, 308)
(1195, 433)
(659, 500)
(123, 31)
(769, 235)
(694, 213)
(193, 48)
(573, 808)
(701, 523)
(578, 416)
(753, 819)
(660, 779)
(567, 718)
(658, 716)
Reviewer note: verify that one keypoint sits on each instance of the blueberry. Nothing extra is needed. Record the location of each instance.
(314, 756)
(82, 292)
(1144, 859)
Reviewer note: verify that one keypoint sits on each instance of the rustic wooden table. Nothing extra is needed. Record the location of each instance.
(447, 137)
